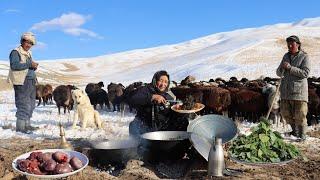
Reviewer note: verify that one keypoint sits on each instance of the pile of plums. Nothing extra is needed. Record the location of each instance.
(49, 163)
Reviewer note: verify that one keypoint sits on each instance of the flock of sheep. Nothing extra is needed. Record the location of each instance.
(242, 99)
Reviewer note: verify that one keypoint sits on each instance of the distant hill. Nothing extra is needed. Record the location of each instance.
(250, 53)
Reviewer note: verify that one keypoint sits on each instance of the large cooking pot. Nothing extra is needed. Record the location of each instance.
(113, 151)
(165, 144)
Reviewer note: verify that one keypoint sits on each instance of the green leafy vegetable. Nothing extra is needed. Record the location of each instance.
(262, 145)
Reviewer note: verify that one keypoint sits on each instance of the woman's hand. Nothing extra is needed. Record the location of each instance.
(158, 99)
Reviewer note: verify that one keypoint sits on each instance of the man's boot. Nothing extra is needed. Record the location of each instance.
(294, 130)
(21, 126)
(29, 127)
(302, 133)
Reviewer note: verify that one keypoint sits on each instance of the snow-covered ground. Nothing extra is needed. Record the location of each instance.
(47, 119)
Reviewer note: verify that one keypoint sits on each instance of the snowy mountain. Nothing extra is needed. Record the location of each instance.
(251, 53)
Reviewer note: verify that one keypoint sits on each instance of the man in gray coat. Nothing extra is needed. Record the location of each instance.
(294, 70)
(22, 76)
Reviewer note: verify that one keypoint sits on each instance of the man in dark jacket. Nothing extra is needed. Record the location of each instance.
(153, 110)
(294, 69)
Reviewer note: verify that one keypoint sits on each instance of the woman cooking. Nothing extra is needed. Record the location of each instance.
(153, 110)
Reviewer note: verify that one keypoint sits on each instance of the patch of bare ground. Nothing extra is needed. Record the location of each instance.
(90, 65)
(70, 67)
(60, 78)
(301, 168)
(55, 77)
(261, 52)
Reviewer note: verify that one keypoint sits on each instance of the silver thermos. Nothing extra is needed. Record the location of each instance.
(216, 163)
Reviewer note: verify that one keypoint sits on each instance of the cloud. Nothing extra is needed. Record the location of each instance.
(65, 21)
(69, 23)
(40, 45)
(11, 11)
(80, 31)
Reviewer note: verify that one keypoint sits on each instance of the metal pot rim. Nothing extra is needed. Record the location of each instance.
(119, 144)
(165, 136)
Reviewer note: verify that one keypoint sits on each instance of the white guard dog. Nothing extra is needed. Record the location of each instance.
(84, 110)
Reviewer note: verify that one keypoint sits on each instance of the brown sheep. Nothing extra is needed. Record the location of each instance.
(235, 84)
(255, 85)
(216, 99)
(47, 93)
(187, 80)
(44, 93)
(39, 94)
(115, 92)
(249, 102)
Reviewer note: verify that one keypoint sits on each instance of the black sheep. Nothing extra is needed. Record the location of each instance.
(129, 91)
(100, 97)
(92, 87)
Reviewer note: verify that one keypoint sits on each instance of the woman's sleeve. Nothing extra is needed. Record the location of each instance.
(15, 63)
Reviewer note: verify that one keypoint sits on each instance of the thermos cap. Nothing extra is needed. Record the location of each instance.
(218, 140)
